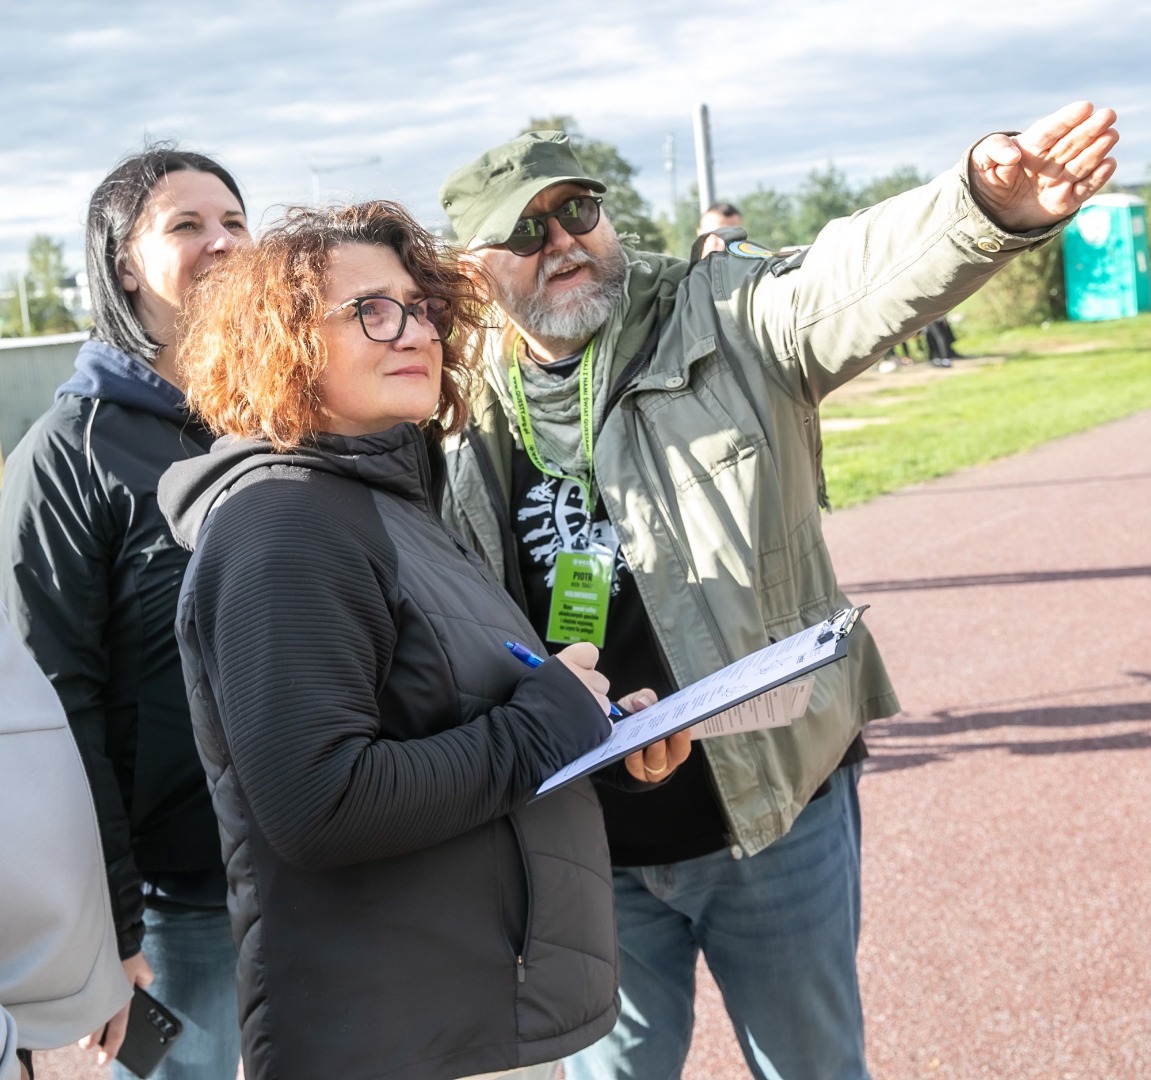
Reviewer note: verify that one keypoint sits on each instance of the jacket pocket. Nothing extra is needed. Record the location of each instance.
(515, 888)
(704, 428)
(715, 461)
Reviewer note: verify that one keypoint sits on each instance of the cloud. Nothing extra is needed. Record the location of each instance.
(284, 92)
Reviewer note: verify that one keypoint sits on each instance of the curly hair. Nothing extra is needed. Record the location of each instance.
(251, 349)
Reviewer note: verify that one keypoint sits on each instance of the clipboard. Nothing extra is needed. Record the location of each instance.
(726, 689)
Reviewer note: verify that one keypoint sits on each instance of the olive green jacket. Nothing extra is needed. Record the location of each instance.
(708, 461)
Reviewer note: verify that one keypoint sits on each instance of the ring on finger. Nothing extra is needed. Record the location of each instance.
(655, 772)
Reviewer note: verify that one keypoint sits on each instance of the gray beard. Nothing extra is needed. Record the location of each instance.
(582, 310)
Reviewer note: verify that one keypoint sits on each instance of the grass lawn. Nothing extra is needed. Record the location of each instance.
(1052, 381)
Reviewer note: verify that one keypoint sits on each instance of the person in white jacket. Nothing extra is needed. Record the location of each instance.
(60, 972)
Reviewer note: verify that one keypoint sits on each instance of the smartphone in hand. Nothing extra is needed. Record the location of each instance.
(152, 1029)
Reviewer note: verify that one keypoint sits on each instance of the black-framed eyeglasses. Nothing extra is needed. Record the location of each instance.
(383, 318)
(577, 215)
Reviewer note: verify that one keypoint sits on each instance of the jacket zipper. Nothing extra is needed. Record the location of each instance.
(624, 387)
(525, 945)
(709, 619)
(676, 546)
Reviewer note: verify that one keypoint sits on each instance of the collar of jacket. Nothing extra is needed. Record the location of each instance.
(405, 461)
(651, 293)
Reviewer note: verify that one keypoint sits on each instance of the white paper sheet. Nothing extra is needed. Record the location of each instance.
(722, 693)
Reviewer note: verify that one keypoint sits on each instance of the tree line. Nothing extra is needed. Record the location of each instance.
(1027, 292)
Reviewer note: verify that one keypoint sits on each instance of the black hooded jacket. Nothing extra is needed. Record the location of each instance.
(403, 909)
(91, 575)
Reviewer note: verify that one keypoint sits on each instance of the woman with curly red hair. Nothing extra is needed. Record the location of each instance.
(259, 340)
(401, 905)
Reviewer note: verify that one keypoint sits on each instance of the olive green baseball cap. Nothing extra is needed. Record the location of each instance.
(485, 199)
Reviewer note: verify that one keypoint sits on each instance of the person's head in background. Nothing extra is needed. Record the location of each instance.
(717, 216)
(155, 223)
(341, 320)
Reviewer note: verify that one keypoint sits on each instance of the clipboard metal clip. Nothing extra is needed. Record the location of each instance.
(851, 620)
(846, 618)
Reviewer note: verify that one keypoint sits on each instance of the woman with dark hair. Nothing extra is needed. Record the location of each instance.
(91, 575)
(403, 908)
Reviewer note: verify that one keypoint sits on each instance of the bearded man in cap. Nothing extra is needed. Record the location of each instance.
(643, 470)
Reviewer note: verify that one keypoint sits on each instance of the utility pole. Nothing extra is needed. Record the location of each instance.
(703, 163)
(25, 318)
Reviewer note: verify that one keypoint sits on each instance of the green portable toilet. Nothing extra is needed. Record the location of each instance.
(1105, 259)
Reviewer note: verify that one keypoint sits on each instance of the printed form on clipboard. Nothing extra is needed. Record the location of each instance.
(767, 688)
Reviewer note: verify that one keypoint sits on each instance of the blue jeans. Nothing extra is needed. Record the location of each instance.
(779, 932)
(194, 959)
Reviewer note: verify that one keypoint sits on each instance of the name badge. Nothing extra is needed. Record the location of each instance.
(580, 596)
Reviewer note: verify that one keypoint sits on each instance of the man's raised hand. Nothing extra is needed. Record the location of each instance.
(1040, 176)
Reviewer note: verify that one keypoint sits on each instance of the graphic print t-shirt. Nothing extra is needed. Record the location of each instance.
(680, 819)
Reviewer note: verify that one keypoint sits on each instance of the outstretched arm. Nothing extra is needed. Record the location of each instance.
(1037, 178)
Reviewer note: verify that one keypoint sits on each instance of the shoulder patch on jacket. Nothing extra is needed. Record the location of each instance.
(746, 249)
(782, 261)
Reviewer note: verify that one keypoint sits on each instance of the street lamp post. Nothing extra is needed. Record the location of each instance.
(347, 163)
(669, 166)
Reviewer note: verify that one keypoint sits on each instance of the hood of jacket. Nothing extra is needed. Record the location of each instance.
(404, 460)
(104, 372)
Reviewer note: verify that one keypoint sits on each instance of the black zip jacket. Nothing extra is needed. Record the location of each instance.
(91, 575)
(402, 908)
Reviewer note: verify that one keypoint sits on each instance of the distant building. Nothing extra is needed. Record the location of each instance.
(77, 296)
(30, 371)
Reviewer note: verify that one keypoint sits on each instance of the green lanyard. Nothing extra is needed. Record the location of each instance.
(524, 420)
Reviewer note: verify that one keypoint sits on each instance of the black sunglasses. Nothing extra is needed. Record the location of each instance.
(577, 215)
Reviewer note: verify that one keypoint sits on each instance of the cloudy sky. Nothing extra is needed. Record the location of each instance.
(381, 98)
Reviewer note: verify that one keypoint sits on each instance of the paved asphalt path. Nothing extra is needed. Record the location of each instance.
(1007, 809)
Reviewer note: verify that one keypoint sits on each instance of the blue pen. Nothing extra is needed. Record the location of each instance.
(523, 654)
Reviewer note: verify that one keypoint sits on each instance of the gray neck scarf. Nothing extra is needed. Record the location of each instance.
(553, 400)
